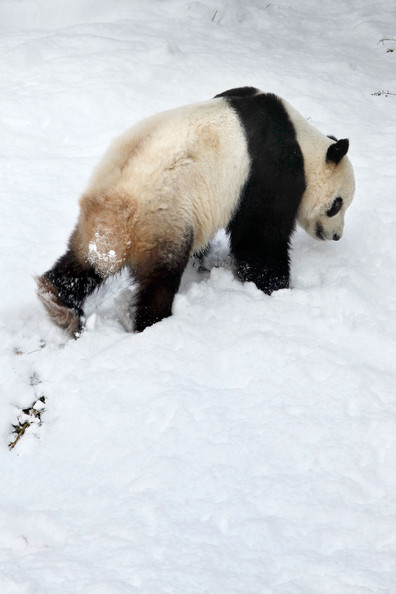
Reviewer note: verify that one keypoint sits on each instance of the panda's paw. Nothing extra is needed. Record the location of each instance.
(275, 283)
(266, 278)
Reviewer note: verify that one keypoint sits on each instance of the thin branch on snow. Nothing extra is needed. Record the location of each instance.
(386, 93)
(19, 430)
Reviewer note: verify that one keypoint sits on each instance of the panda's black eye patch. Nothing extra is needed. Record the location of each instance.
(335, 207)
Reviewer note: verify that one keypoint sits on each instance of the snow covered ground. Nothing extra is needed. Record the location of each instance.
(246, 445)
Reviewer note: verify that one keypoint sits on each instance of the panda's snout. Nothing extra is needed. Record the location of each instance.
(322, 234)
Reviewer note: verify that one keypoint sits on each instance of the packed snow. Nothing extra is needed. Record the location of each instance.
(247, 444)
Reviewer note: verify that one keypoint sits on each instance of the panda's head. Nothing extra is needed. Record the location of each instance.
(329, 192)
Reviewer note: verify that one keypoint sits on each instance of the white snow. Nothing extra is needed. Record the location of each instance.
(246, 445)
(100, 254)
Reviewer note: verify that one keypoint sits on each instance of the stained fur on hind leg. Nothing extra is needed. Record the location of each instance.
(159, 280)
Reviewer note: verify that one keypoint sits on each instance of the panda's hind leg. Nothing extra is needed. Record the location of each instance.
(158, 275)
(64, 288)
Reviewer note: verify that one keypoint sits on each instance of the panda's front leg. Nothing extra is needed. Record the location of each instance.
(264, 260)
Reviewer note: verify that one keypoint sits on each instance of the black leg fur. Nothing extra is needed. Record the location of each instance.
(64, 288)
(264, 262)
(263, 223)
(260, 234)
(72, 281)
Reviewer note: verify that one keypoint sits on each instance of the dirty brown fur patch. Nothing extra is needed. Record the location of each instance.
(103, 233)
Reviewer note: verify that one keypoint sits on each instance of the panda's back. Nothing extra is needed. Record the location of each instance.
(188, 164)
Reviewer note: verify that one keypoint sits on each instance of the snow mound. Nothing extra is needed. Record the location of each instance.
(246, 444)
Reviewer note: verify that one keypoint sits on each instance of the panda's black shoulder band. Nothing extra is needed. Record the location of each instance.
(239, 92)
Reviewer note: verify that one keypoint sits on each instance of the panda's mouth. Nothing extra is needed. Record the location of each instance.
(320, 232)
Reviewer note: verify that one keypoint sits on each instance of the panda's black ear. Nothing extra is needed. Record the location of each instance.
(336, 151)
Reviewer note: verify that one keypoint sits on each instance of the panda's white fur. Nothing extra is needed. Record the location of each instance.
(168, 173)
(166, 185)
(325, 181)
(173, 170)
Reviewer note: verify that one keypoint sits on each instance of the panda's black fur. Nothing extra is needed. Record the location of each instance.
(236, 161)
(262, 225)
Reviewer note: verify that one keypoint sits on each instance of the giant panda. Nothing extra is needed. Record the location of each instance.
(245, 161)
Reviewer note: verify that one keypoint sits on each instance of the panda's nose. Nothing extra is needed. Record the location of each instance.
(336, 237)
